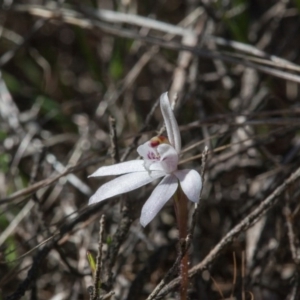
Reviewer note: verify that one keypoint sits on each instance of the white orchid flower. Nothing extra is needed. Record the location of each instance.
(160, 159)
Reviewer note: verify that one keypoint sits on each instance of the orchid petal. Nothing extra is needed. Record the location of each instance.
(191, 183)
(121, 168)
(171, 123)
(144, 149)
(161, 194)
(124, 184)
(168, 158)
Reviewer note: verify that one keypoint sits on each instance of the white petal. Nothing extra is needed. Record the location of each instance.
(121, 168)
(144, 149)
(191, 183)
(161, 194)
(124, 184)
(150, 156)
(168, 158)
(171, 123)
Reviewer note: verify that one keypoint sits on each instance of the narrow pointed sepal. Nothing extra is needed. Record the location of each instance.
(161, 194)
(170, 121)
(124, 184)
(121, 168)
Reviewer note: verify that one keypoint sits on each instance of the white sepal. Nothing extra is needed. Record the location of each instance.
(171, 123)
(191, 183)
(160, 195)
(124, 184)
(121, 168)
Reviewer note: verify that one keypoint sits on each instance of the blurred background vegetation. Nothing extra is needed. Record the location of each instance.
(68, 66)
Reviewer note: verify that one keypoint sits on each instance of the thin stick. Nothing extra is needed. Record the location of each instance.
(108, 295)
(97, 283)
(293, 241)
(294, 248)
(113, 140)
(234, 274)
(243, 276)
(217, 287)
(202, 172)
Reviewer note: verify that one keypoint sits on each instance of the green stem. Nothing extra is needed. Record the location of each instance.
(181, 211)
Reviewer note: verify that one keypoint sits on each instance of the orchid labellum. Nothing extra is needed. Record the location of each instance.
(160, 159)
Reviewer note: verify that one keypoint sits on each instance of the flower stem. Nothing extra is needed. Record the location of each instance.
(181, 211)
